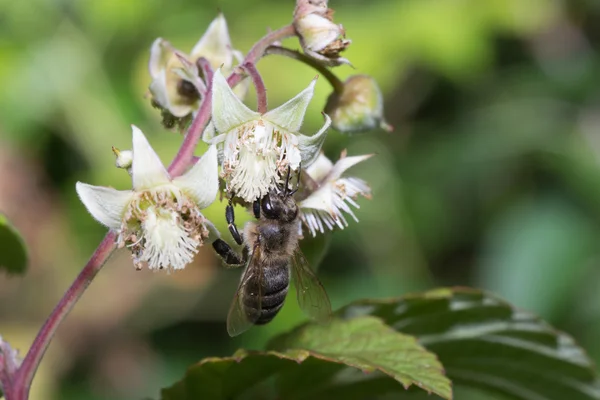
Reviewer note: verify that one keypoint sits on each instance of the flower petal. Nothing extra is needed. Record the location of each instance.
(106, 205)
(209, 133)
(201, 182)
(215, 44)
(320, 168)
(147, 169)
(158, 89)
(321, 199)
(160, 52)
(228, 111)
(310, 146)
(344, 163)
(290, 114)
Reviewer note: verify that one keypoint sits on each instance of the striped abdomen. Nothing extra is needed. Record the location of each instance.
(275, 284)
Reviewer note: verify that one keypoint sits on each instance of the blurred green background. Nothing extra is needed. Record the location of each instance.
(491, 178)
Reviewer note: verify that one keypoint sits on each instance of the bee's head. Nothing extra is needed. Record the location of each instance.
(279, 206)
(279, 203)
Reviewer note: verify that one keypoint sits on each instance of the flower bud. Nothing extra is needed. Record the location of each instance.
(124, 158)
(359, 107)
(320, 37)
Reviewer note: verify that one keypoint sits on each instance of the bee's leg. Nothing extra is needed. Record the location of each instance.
(256, 208)
(229, 256)
(230, 217)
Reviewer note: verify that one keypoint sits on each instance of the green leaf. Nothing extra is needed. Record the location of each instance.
(483, 341)
(312, 362)
(13, 252)
(368, 344)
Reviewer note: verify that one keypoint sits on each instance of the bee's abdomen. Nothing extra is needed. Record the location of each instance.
(275, 284)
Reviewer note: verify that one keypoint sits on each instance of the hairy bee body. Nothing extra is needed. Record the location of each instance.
(271, 244)
(271, 257)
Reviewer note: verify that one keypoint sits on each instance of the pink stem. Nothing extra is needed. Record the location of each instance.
(24, 376)
(19, 389)
(257, 51)
(184, 156)
(261, 90)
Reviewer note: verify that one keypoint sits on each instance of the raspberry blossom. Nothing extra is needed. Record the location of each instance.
(325, 207)
(176, 84)
(160, 219)
(256, 148)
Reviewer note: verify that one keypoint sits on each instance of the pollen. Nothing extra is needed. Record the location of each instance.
(163, 229)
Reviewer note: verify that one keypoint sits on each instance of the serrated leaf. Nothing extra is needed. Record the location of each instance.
(13, 252)
(369, 345)
(484, 341)
(320, 369)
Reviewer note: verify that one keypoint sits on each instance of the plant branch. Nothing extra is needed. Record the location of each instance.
(258, 50)
(21, 383)
(24, 376)
(261, 90)
(336, 83)
(186, 152)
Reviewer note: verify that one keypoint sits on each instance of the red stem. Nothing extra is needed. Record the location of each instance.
(184, 156)
(19, 390)
(257, 51)
(261, 90)
(24, 376)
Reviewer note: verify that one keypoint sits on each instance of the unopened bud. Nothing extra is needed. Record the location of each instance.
(320, 37)
(124, 158)
(359, 107)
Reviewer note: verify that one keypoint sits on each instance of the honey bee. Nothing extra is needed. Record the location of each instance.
(270, 255)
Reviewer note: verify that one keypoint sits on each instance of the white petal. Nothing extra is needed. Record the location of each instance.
(290, 115)
(147, 169)
(320, 168)
(321, 199)
(344, 163)
(228, 111)
(215, 44)
(201, 182)
(160, 52)
(158, 88)
(310, 146)
(209, 133)
(106, 205)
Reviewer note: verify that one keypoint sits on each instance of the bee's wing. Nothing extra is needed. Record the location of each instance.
(239, 319)
(312, 298)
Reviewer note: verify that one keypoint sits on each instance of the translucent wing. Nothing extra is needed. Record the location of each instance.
(240, 317)
(312, 298)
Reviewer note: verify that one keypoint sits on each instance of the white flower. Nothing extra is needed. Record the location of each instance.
(256, 148)
(325, 207)
(160, 219)
(176, 84)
